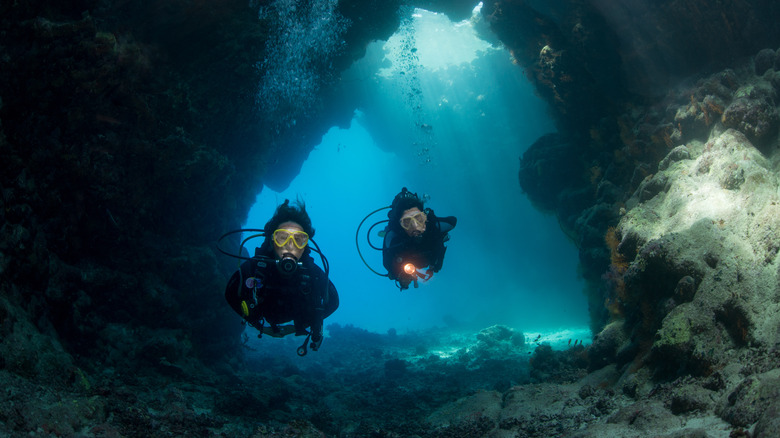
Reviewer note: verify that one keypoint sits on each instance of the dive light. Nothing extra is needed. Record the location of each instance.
(410, 269)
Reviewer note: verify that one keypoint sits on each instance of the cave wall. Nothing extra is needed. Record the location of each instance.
(130, 141)
(675, 75)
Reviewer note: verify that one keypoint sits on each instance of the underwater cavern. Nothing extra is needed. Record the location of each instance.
(135, 134)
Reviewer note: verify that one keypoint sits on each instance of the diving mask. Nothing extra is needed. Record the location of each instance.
(418, 218)
(299, 238)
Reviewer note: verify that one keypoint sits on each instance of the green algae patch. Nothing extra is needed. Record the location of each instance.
(676, 331)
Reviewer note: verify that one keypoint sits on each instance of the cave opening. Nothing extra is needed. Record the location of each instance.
(440, 108)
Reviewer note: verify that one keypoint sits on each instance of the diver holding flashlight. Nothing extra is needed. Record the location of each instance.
(414, 240)
(281, 283)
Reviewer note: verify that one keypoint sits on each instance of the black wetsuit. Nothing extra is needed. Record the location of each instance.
(305, 297)
(426, 250)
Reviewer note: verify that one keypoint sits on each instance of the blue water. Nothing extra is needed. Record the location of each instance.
(451, 127)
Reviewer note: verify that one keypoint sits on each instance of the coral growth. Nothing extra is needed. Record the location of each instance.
(613, 278)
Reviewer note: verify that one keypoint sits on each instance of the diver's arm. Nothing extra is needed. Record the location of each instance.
(389, 254)
(324, 307)
(243, 291)
(446, 224)
(332, 300)
(397, 273)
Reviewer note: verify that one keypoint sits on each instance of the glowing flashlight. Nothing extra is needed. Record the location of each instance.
(409, 268)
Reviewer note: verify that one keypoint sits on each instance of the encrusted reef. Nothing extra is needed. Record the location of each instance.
(704, 247)
(693, 266)
(671, 199)
(690, 278)
(109, 158)
(614, 175)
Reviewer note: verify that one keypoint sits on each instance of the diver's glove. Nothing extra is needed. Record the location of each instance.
(404, 280)
(316, 341)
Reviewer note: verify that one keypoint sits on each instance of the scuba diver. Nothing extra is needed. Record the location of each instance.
(281, 283)
(413, 240)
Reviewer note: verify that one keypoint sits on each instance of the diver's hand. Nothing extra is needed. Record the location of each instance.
(282, 331)
(404, 280)
(316, 341)
(262, 266)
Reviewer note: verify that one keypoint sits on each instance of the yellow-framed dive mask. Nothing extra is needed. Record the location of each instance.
(299, 238)
(407, 222)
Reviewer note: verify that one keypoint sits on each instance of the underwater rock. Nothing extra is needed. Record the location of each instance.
(683, 343)
(547, 169)
(737, 319)
(123, 163)
(588, 229)
(692, 122)
(496, 334)
(685, 289)
(373, 20)
(590, 410)
(483, 403)
(676, 154)
(568, 54)
(655, 274)
(721, 85)
(691, 398)
(27, 352)
(646, 416)
(690, 258)
(34, 409)
(606, 344)
(396, 368)
(299, 429)
(548, 365)
(757, 119)
(652, 186)
(763, 61)
(748, 401)
(609, 193)
(769, 422)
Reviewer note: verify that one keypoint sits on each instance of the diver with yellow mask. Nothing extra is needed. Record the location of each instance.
(281, 283)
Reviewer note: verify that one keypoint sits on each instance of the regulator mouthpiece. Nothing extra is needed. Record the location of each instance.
(287, 265)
